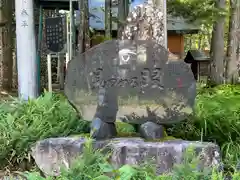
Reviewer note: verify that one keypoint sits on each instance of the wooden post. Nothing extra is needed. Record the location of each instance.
(81, 26)
(49, 67)
(58, 67)
(87, 39)
(198, 70)
(61, 71)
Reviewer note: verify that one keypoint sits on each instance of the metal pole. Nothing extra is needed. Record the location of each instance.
(70, 30)
(40, 28)
(26, 49)
(73, 33)
(68, 41)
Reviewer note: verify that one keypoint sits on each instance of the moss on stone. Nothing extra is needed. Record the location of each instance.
(130, 135)
(119, 135)
(87, 135)
(167, 138)
(125, 130)
(123, 127)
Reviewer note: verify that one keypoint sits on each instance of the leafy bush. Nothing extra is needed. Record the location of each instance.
(24, 123)
(217, 119)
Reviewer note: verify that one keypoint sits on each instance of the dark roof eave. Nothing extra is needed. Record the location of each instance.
(186, 31)
(194, 31)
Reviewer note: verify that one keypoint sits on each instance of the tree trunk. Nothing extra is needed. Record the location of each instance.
(108, 18)
(238, 38)
(231, 55)
(6, 56)
(122, 15)
(217, 65)
(126, 6)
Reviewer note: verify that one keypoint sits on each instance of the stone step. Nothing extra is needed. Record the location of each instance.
(51, 154)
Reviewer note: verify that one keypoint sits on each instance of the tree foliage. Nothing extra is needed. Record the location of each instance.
(200, 10)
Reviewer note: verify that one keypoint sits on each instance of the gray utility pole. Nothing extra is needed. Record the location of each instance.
(26, 50)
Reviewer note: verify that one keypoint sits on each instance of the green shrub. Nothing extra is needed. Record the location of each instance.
(217, 119)
(24, 123)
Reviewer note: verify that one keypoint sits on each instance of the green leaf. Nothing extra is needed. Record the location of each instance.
(102, 177)
(127, 172)
(106, 167)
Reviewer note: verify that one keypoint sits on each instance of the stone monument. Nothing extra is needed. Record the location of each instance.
(134, 80)
(131, 79)
(119, 78)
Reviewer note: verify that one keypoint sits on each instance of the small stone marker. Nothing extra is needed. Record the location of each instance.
(124, 77)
